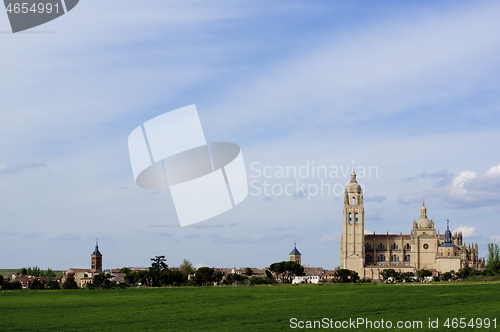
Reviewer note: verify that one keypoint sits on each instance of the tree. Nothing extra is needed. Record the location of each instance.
(70, 283)
(421, 274)
(447, 276)
(466, 272)
(172, 278)
(408, 276)
(248, 272)
(345, 276)
(36, 284)
(101, 280)
(204, 276)
(53, 284)
(125, 270)
(16, 285)
(391, 275)
(1, 280)
(278, 269)
(286, 269)
(234, 278)
(131, 277)
(493, 263)
(49, 273)
(159, 263)
(293, 269)
(186, 267)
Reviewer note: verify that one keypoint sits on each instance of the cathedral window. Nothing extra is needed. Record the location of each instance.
(356, 218)
(394, 258)
(369, 258)
(368, 246)
(353, 201)
(381, 247)
(407, 246)
(394, 246)
(407, 258)
(350, 218)
(381, 258)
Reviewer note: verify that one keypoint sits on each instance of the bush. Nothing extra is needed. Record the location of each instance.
(53, 284)
(261, 281)
(436, 278)
(345, 276)
(70, 283)
(6, 285)
(16, 285)
(447, 276)
(36, 284)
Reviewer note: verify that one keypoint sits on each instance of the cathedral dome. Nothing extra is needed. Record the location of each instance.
(353, 187)
(423, 221)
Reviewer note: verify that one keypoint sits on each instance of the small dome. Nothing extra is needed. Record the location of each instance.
(353, 187)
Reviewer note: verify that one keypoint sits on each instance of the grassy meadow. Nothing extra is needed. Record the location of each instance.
(259, 308)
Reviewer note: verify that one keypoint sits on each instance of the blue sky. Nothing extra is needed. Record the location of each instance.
(411, 89)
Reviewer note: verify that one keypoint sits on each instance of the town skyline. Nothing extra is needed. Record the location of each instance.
(411, 89)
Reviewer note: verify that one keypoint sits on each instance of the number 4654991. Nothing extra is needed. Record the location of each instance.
(485, 323)
(39, 8)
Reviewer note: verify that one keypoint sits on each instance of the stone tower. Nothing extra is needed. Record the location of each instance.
(295, 255)
(352, 250)
(96, 260)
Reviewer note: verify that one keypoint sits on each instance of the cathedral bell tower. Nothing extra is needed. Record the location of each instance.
(352, 253)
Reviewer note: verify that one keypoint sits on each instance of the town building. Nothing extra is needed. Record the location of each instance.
(85, 276)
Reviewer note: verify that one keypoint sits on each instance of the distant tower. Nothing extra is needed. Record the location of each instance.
(96, 260)
(295, 255)
(352, 249)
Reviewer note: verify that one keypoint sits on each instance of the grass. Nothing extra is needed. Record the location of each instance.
(259, 308)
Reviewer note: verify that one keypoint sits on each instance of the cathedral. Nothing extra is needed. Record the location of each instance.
(423, 248)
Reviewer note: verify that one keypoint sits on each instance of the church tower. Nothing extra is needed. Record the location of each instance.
(352, 253)
(96, 260)
(295, 255)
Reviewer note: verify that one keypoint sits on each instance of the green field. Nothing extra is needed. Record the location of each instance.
(260, 308)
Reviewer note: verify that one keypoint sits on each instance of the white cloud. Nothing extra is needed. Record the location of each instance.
(462, 178)
(466, 231)
(494, 171)
(495, 238)
(467, 190)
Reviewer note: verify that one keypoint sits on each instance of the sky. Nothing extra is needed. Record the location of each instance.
(406, 93)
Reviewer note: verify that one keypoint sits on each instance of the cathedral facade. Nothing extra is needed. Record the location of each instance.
(423, 248)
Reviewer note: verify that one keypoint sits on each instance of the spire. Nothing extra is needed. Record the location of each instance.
(447, 234)
(96, 250)
(353, 176)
